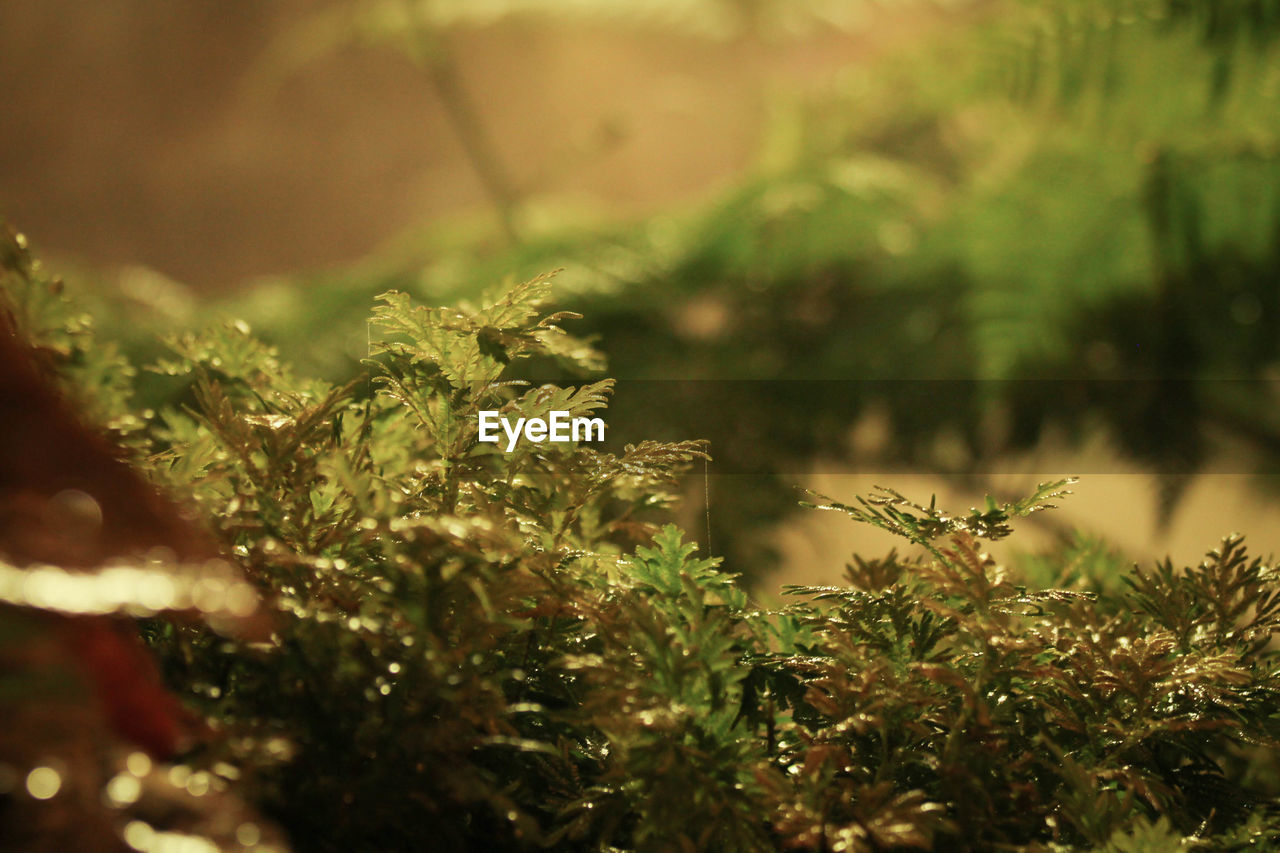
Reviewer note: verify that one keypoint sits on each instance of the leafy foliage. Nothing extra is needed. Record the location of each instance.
(502, 650)
(422, 576)
(63, 338)
(890, 511)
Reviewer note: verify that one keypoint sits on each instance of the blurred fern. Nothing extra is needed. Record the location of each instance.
(1075, 194)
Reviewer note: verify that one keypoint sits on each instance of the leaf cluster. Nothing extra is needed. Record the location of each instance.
(417, 677)
(503, 651)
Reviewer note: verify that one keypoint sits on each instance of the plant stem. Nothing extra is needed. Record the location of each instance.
(475, 138)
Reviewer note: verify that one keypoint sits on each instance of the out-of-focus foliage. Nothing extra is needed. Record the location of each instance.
(418, 26)
(95, 371)
(87, 729)
(494, 650)
(1085, 195)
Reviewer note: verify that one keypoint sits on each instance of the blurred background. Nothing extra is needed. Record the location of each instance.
(948, 247)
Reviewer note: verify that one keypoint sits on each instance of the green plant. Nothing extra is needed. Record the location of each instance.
(475, 649)
(425, 578)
